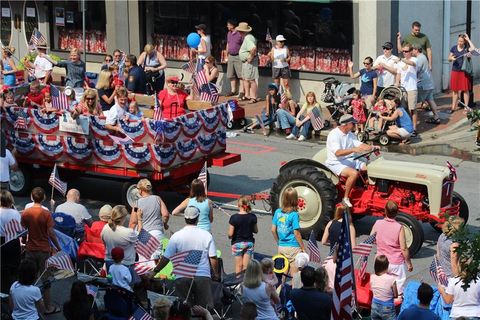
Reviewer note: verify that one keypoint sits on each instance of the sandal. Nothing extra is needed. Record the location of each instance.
(56, 309)
(231, 94)
(244, 98)
(405, 142)
(433, 121)
(252, 101)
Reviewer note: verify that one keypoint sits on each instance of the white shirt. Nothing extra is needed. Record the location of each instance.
(465, 303)
(76, 210)
(193, 238)
(24, 298)
(116, 112)
(122, 237)
(279, 57)
(385, 78)
(208, 44)
(337, 140)
(30, 204)
(5, 163)
(121, 276)
(42, 65)
(408, 75)
(7, 215)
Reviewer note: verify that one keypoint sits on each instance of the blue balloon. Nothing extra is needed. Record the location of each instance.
(193, 40)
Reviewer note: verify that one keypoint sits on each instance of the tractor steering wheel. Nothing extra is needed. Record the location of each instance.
(367, 154)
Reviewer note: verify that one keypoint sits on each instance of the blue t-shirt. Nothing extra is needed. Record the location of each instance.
(136, 81)
(366, 81)
(417, 313)
(457, 63)
(286, 223)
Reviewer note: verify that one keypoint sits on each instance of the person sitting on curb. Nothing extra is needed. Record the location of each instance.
(403, 128)
(422, 310)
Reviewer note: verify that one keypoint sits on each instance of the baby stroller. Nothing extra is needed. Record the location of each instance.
(343, 94)
(328, 94)
(372, 129)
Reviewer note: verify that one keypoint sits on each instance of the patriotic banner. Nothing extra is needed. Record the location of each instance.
(316, 119)
(146, 244)
(312, 247)
(61, 260)
(185, 264)
(55, 181)
(437, 273)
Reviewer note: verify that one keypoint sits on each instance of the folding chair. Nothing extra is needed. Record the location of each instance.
(120, 303)
(92, 253)
(64, 223)
(226, 292)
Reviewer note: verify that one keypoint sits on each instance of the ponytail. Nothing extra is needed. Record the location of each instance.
(118, 214)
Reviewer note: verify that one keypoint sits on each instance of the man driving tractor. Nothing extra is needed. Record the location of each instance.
(342, 144)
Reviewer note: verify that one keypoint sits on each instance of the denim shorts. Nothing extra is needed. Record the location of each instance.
(241, 248)
(383, 311)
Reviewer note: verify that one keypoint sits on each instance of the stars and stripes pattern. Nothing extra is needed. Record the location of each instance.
(61, 260)
(343, 288)
(36, 38)
(185, 264)
(202, 176)
(55, 181)
(12, 230)
(140, 314)
(437, 272)
(331, 253)
(146, 244)
(316, 119)
(268, 36)
(92, 290)
(474, 52)
(209, 92)
(59, 99)
(283, 96)
(20, 123)
(365, 247)
(157, 110)
(189, 66)
(363, 266)
(142, 268)
(312, 247)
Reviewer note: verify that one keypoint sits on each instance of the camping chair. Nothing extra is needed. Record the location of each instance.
(226, 292)
(64, 223)
(120, 303)
(92, 253)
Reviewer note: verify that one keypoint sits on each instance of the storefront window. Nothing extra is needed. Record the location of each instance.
(30, 18)
(6, 23)
(319, 35)
(66, 25)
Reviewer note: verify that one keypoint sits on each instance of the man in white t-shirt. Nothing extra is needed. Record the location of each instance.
(385, 77)
(73, 208)
(117, 111)
(202, 250)
(42, 67)
(342, 145)
(7, 163)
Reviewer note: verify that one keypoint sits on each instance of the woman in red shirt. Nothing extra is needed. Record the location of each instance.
(172, 99)
(89, 105)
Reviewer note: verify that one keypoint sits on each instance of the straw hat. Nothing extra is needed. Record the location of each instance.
(42, 45)
(243, 27)
(9, 49)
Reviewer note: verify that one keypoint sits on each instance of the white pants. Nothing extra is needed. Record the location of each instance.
(400, 271)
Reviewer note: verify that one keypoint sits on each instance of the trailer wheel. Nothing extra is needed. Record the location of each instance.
(326, 124)
(242, 122)
(362, 136)
(130, 194)
(230, 125)
(21, 180)
(384, 140)
(413, 232)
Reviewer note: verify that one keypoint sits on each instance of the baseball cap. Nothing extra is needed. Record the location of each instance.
(191, 212)
(387, 45)
(173, 79)
(346, 118)
(302, 259)
(117, 254)
(272, 86)
(280, 37)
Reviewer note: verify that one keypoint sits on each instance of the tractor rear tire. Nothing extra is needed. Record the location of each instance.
(21, 180)
(413, 232)
(317, 192)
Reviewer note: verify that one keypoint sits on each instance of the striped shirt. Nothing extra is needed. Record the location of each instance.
(75, 72)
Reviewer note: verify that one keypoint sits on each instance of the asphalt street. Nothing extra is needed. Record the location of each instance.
(261, 160)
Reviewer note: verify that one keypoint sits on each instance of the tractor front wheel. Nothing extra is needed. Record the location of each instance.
(413, 232)
(316, 196)
(21, 180)
(130, 194)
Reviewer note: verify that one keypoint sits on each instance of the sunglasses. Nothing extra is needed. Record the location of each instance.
(387, 48)
(108, 60)
(405, 51)
(173, 82)
(90, 98)
(366, 63)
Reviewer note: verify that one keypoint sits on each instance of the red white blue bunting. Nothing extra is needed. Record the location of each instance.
(186, 149)
(134, 129)
(206, 142)
(77, 149)
(44, 122)
(136, 156)
(108, 154)
(98, 127)
(164, 155)
(210, 119)
(191, 124)
(49, 146)
(23, 142)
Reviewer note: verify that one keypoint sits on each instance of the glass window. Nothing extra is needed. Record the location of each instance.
(6, 23)
(66, 25)
(30, 18)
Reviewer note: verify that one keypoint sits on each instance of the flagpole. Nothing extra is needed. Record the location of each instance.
(52, 202)
(354, 285)
(189, 289)
(45, 270)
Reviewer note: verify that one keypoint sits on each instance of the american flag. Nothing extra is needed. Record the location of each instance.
(331, 253)
(55, 181)
(21, 122)
(146, 244)
(316, 119)
(437, 273)
(185, 263)
(209, 92)
(342, 292)
(363, 266)
(157, 110)
(313, 248)
(59, 99)
(36, 38)
(365, 247)
(140, 314)
(283, 96)
(474, 52)
(13, 230)
(202, 176)
(61, 260)
(268, 36)
(189, 66)
(92, 290)
(141, 269)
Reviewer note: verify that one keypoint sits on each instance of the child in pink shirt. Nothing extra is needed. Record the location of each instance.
(384, 291)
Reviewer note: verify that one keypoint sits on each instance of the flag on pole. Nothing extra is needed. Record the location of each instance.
(363, 266)
(202, 176)
(313, 248)
(283, 96)
(59, 99)
(268, 36)
(316, 119)
(157, 110)
(36, 38)
(92, 290)
(140, 314)
(55, 181)
(61, 260)
(189, 66)
(146, 244)
(343, 288)
(365, 247)
(209, 93)
(12, 230)
(186, 263)
(141, 268)
(331, 253)
(437, 272)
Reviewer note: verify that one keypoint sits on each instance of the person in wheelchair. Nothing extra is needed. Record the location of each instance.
(403, 127)
(341, 145)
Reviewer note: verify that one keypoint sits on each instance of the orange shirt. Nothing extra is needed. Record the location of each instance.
(37, 220)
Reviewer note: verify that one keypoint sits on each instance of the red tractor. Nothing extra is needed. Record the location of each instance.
(423, 192)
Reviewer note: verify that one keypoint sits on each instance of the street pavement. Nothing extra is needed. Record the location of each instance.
(261, 160)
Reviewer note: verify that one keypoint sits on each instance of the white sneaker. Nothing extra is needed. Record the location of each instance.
(347, 202)
(290, 136)
(302, 138)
